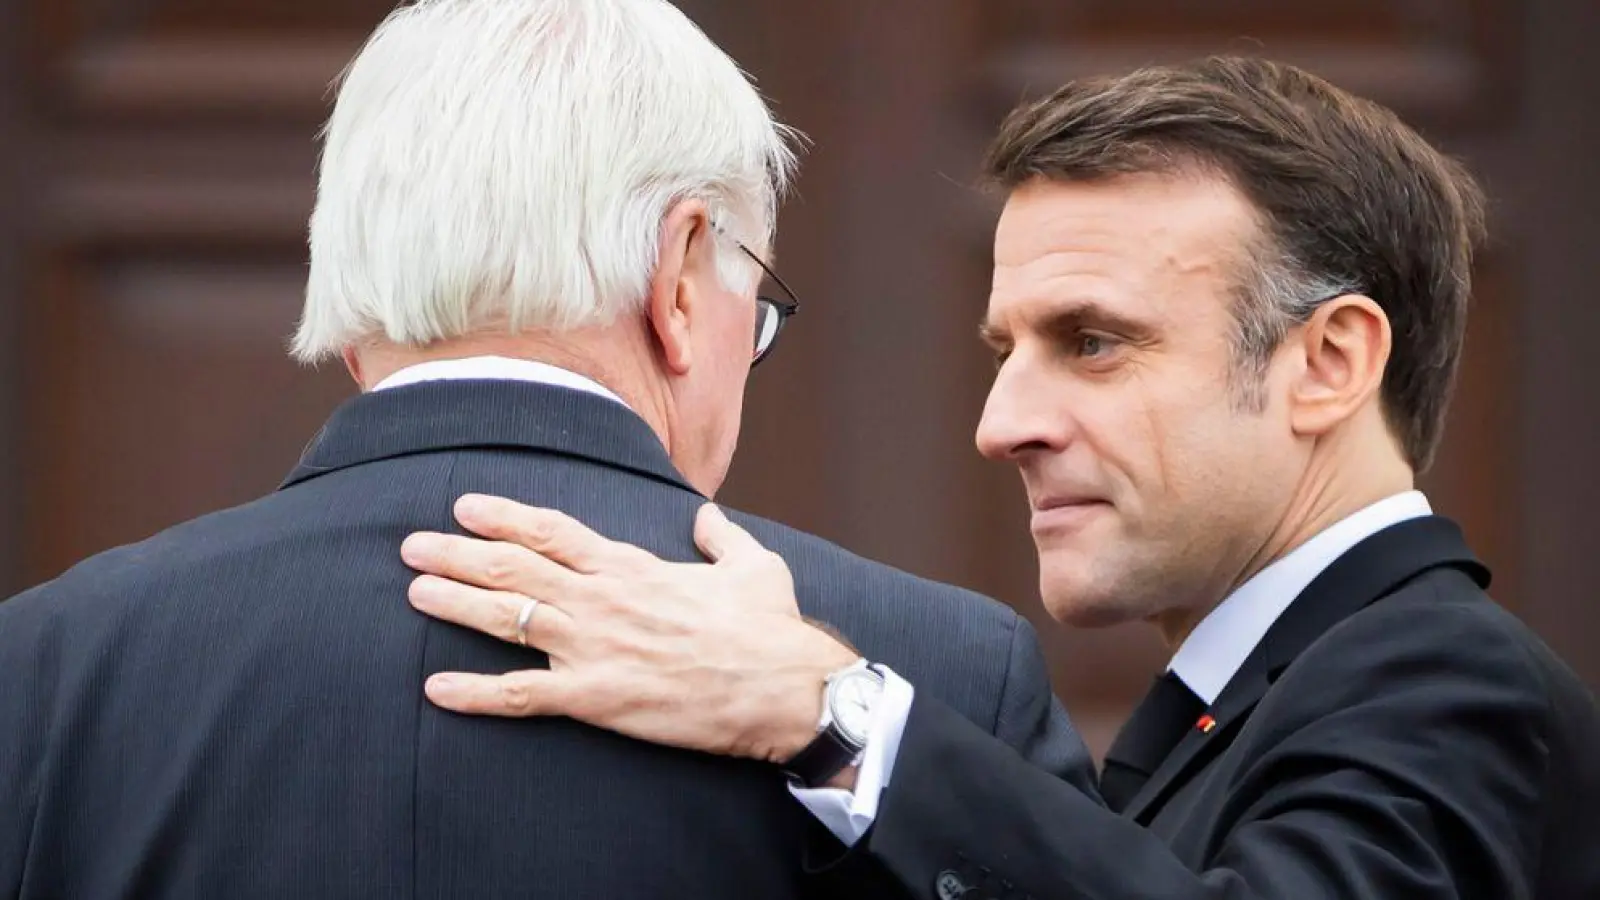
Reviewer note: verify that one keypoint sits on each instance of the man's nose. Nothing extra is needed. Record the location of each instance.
(1024, 414)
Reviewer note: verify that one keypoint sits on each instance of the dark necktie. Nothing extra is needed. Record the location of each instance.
(1161, 720)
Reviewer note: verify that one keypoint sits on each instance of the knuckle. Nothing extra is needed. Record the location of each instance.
(613, 644)
(541, 532)
(633, 559)
(500, 570)
(506, 564)
(516, 696)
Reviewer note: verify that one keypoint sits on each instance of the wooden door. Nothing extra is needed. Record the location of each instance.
(158, 158)
(173, 164)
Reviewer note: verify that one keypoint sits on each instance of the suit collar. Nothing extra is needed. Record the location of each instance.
(1368, 572)
(1219, 645)
(481, 414)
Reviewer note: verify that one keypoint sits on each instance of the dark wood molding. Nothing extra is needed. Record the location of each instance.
(163, 210)
(1559, 189)
(211, 77)
(1437, 85)
(14, 153)
(1444, 63)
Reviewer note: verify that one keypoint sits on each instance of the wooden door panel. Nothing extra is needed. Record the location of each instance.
(167, 262)
(159, 391)
(1447, 64)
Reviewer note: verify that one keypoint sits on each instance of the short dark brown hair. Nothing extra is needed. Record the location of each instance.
(1351, 200)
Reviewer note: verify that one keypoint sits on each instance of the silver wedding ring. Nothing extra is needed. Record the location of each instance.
(523, 618)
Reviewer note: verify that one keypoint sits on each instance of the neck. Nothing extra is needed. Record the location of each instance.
(612, 357)
(1333, 487)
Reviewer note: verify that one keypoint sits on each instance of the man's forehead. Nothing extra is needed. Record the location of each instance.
(1088, 279)
(1125, 245)
(1132, 216)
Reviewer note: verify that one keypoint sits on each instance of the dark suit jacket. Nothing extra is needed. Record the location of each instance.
(234, 708)
(1396, 735)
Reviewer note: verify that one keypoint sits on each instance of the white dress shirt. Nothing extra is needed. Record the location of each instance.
(1206, 661)
(494, 368)
(1212, 654)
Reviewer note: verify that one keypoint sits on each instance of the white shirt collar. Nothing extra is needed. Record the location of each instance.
(1212, 654)
(495, 368)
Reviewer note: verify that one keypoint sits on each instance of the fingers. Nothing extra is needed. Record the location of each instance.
(763, 576)
(537, 692)
(495, 613)
(718, 538)
(495, 566)
(551, 534)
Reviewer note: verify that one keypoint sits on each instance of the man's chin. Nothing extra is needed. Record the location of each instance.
(1088, 615)
(1078, 604)
(1077, 610)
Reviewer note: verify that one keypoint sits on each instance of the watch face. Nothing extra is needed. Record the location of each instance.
(854, 697)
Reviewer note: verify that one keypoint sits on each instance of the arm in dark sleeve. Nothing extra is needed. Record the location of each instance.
(1033, 724)
(1403, 769)
(1029, 725)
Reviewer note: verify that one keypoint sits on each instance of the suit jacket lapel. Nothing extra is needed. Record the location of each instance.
(458, 415)
(1368, 572)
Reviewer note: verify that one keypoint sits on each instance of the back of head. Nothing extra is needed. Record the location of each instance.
(506, 165)
(1349, 198)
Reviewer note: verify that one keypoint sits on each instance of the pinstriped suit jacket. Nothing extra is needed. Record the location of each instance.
(233, 708)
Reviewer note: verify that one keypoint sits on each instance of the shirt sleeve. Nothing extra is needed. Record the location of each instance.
(848, 814)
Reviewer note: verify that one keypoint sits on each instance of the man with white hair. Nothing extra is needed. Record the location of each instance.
(537, 245)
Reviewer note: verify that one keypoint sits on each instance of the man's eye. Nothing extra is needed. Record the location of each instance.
(1091, 345)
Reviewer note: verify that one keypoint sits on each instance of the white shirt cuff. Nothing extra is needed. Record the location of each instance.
(849, 814)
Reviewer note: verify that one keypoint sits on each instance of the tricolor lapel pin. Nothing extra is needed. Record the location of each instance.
(1206, 723)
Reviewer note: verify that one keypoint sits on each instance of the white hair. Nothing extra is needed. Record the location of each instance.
(509, 163)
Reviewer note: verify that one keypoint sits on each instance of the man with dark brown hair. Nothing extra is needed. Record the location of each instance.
(1228, 307)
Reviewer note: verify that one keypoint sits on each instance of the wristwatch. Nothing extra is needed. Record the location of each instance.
(849, 698)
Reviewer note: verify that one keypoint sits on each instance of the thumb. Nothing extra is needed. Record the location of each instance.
(719, 539)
